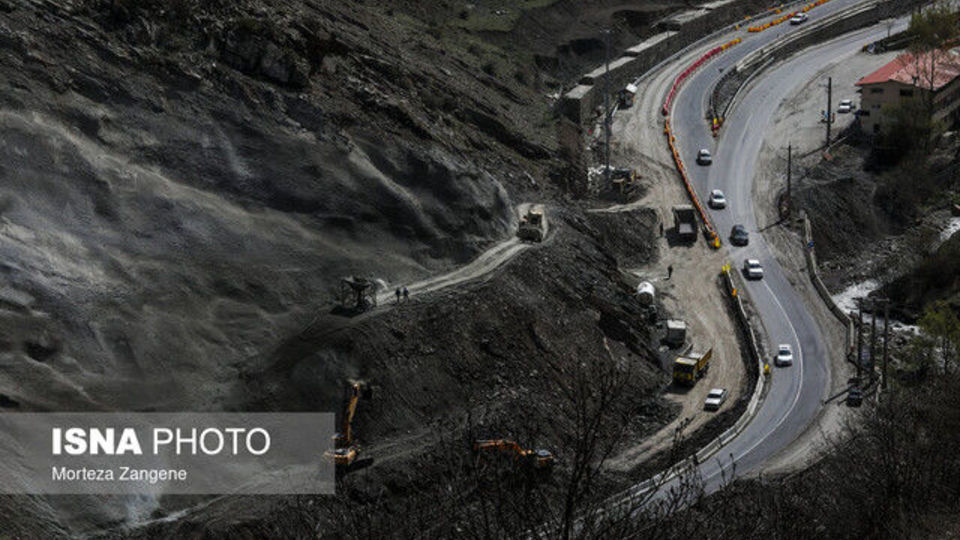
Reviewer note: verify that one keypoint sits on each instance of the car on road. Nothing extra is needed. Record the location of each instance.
(799, 18)
(846, 106)
(784, 356)
(715, 399)
(739, 235)
(855, 397)
(752, 269)
(704, 157)
(717, 200)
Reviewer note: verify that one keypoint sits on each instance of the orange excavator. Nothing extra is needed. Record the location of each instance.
(537, 459)
(345, 452)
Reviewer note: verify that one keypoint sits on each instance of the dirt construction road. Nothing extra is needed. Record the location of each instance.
(693, 293)
(485, 263)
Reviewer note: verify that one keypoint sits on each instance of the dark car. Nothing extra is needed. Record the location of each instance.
(854, 397)
(739, 235)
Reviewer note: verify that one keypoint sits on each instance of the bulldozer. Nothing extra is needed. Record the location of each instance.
(540, 460)
(345, 451)
(533, 224)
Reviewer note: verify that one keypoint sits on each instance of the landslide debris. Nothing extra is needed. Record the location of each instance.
(183, 183)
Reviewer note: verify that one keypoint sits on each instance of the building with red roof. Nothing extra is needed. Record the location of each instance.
(911, 76)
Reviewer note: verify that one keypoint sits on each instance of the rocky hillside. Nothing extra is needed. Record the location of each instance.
(184, 182)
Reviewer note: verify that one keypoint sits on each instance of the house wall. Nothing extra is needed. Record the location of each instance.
(877, 99)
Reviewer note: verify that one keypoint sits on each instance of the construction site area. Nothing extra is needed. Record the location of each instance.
(548, 263)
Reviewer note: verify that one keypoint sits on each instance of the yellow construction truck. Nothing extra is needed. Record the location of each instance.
(689, 368)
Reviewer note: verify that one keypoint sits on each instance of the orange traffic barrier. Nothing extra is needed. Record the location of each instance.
(786, 17)
(714, 237)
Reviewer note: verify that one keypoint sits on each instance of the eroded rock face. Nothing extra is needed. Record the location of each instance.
(182, 188)
(263, 58)
(181, 191)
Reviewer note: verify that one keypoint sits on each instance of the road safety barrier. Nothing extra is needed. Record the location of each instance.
(771, 24)
(690, 69)
(780, 20)
(678, 161)
(708, 227)
(811, 258)
(755, 63)
(638, 492)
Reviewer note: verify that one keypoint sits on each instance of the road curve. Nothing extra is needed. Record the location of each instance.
(795, 395)
(488, 261)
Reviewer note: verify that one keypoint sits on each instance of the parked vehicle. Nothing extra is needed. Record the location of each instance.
(799, 18)
(715, 399)
(752, 269)
(855, 397)
(717, 199)
(627, 96)
(846, 106)
(704, 157)
(739, 236)
(685, 221)
(784, 356)
(676, 333)
(688, 369)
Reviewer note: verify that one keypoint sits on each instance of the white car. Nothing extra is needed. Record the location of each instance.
(799, 18)
(715, 399)
(704, 157)
(717, 200)
(845, 106)
(752, 269)
(784, 356)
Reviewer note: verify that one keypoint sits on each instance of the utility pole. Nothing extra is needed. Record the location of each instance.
(859, 339)
(829, 108)
(873, 339)
(789, 178)
(606, 109)
(886, 338)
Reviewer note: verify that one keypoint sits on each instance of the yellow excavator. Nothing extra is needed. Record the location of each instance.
(537, 459)
(345, 452)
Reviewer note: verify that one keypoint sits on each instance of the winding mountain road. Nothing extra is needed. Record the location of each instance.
(795, 394)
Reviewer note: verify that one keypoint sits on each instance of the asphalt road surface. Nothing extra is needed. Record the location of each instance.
(796, 393)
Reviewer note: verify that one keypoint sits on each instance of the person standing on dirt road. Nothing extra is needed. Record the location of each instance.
(398, 295)
(670, 272)
(406, 294)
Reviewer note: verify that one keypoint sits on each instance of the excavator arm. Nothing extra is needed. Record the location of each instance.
(498, 444)
(357, 389)
(348, 416)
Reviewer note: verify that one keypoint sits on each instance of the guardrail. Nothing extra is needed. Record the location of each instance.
(786, 17)
(811, 258)
(693, 67)
(757, 61)
(643, 488)
(758, 359)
